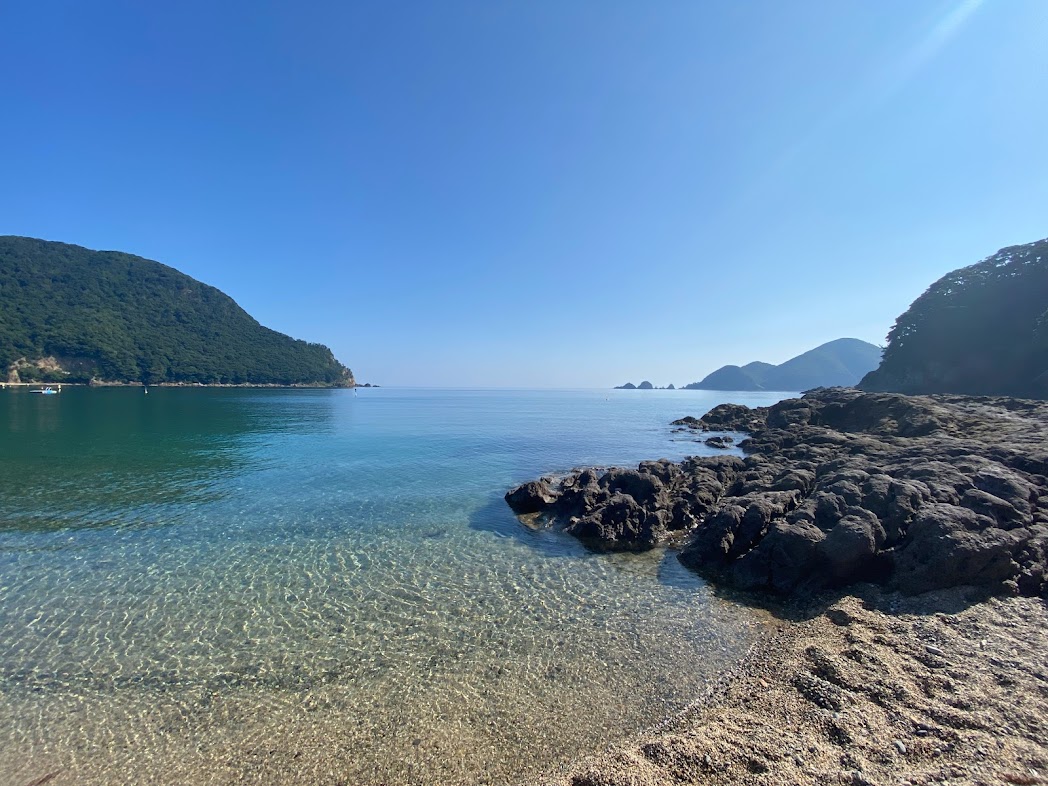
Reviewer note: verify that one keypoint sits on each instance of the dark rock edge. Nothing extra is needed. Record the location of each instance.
(839, 486)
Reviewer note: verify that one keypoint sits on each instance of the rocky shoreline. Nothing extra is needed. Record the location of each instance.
(913, 492)
(901, 544)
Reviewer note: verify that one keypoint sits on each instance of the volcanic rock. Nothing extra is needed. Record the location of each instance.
(838, 486)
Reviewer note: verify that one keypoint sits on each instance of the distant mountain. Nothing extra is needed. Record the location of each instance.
(981, 330)
(837, 363)
(68, 314)
(728, 378)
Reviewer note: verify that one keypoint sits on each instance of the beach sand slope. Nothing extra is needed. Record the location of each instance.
(864, 688)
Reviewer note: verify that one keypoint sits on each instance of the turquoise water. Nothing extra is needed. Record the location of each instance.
(317, 586)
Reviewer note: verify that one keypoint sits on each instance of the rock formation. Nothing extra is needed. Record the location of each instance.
(838, 486)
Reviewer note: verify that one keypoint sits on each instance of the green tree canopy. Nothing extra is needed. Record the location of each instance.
(978, 330)
(117, 317)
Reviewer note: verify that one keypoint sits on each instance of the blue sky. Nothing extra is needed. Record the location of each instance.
(535, 193)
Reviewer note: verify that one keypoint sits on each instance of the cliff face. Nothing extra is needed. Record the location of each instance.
(75, 315)
(982, 329)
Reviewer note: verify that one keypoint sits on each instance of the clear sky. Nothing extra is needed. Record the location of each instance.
(535, 193)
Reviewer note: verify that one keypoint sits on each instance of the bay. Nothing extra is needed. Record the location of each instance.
(324, 586)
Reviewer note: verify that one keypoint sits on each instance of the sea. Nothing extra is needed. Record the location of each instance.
(271, 586)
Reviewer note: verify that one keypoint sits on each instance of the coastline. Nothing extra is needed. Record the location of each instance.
(915, 655)
(736, 718)
(428, 619)
(134, 384)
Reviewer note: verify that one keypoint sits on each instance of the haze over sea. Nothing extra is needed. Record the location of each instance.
(317, 586)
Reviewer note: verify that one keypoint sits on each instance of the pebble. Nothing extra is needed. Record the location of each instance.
(900, 746)
(856, 778)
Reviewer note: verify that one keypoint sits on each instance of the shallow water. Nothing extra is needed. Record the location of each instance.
(269, 586)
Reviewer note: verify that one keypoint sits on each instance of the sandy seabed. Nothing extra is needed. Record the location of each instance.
(865, 688)
(869, 687)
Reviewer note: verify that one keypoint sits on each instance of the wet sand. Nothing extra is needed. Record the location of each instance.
(863, 688)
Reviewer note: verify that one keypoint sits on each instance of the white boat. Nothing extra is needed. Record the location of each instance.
(48, 391)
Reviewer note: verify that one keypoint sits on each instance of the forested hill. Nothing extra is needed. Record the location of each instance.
(982, 329)
(71, 314)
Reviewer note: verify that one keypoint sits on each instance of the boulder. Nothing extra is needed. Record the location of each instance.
(714, 542)
(621, 525)
(949, 545)
(733, 417)
(849, 550)
(644, 487)
(532, 497)
(786, 560)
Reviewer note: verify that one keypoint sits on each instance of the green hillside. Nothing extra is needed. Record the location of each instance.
(71, 314)
(982, 329)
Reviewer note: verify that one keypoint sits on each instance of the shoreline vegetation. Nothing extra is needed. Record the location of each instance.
(900, 545)
(139, 384)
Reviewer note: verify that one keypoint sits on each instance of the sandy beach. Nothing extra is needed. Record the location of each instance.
(869, 687)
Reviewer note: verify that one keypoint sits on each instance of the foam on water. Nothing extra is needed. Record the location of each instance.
(307, 587)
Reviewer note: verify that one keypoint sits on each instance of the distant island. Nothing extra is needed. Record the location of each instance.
(980, 330)
(645, 385)
(69, 314)
(840, 363)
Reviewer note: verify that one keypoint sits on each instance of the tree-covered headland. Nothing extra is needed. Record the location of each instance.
(69, 314)
(981, 330)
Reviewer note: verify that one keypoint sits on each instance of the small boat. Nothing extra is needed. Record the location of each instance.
(48, 391)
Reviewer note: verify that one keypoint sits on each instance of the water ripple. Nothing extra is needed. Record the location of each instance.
(305, 587)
